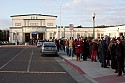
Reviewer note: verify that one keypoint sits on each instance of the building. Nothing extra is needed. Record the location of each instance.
(31, 26)
(38, 26)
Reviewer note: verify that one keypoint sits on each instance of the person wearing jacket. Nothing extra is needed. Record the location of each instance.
(114, 64)
(71, 47)
(120, 56)
(103, 50)
(78, 48)
(94, 48)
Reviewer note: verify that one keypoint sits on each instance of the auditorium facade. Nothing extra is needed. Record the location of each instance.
(38, 26)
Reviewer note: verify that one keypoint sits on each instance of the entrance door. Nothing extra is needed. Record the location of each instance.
(34, 36)
(27, 37)
(40, 36)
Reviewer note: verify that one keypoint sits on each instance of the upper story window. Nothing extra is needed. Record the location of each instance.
(17, 24)
(33, 17)
(49, 24)
(33, 24)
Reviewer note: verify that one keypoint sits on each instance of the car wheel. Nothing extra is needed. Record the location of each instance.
(41, 54)
(56, 55)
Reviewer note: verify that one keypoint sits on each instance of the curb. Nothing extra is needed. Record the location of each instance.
(77, 68)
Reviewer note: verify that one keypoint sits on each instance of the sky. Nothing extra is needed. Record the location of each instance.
(77, 12)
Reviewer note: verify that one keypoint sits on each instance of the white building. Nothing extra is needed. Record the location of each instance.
(31, 26)
(37, 26)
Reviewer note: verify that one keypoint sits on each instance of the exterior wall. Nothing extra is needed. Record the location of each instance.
(115, 31)
(16, 35)
(22, 24)
(39, 20)
(47, 25)
(84, 32)
(99, 32)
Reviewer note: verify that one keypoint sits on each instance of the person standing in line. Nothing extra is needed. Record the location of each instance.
(123, 42)
(57, 44)
(67, 46)
(74, 44)
(120, 56)
(103, 49)
(94, 48)
(114, 64)
(71, 47)
(78, 49)
(85, 49)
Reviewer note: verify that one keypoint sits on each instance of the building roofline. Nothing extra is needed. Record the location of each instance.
(33, 14)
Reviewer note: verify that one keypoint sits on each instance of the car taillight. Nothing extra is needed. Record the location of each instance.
(42, 47)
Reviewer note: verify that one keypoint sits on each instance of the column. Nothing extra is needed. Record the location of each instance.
(30, 35)
(37, 35)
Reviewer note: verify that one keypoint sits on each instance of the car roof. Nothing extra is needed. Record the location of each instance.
(41, 41)
(48, 42)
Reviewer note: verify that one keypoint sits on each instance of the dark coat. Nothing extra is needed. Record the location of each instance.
(94, 46)
(120, 52)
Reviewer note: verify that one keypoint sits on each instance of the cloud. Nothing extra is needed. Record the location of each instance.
(4, 23)
(72, 3)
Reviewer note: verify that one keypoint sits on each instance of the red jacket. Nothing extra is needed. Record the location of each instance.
(79, 47)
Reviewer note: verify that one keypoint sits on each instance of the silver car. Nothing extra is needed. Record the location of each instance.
(39, 43)
(49, 48)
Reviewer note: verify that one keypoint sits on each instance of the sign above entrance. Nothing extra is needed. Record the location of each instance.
(34, 32)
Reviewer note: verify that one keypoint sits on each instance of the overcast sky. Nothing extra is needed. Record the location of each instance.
(77, 12)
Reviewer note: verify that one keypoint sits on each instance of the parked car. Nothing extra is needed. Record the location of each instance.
(49, 48)
(39, 43)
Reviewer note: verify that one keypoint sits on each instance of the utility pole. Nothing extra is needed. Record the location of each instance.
(60, 23)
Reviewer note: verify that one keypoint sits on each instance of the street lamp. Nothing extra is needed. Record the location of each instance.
(64, 31)
(93, 16)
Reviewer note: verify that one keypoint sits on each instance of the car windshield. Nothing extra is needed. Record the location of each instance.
(49, 45)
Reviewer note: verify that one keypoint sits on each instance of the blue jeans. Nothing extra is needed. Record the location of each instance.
(71, 51)
(67, 50)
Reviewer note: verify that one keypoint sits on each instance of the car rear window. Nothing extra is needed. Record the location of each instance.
(40, 41)
(49, 45)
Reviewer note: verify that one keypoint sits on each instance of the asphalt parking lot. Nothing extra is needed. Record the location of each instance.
(25, 65)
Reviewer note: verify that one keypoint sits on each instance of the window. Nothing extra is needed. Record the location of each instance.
(17, 24)
(50, 35)
(102, 35)
(78, 35)
(88, 34)
(98, 35)
(109, 34)
(49, 24)
(33, 24)
(14, 36)
(34, 17)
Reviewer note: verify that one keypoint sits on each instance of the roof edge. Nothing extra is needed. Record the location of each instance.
(33, 14)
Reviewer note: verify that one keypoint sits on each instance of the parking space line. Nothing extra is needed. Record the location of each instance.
(28, 68)
(11, 59)
(25, 72)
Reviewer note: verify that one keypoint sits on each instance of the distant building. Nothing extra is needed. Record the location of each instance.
(31, 26)
(38, 26)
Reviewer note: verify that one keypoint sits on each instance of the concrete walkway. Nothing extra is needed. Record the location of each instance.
(93, 70)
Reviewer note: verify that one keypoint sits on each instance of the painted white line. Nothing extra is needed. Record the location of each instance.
(28, 68)
(25, 72)
(11, 59)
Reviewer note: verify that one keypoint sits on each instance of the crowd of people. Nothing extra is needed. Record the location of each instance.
(108, 51)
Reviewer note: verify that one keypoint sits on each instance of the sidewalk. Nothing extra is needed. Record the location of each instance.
(93, 70)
